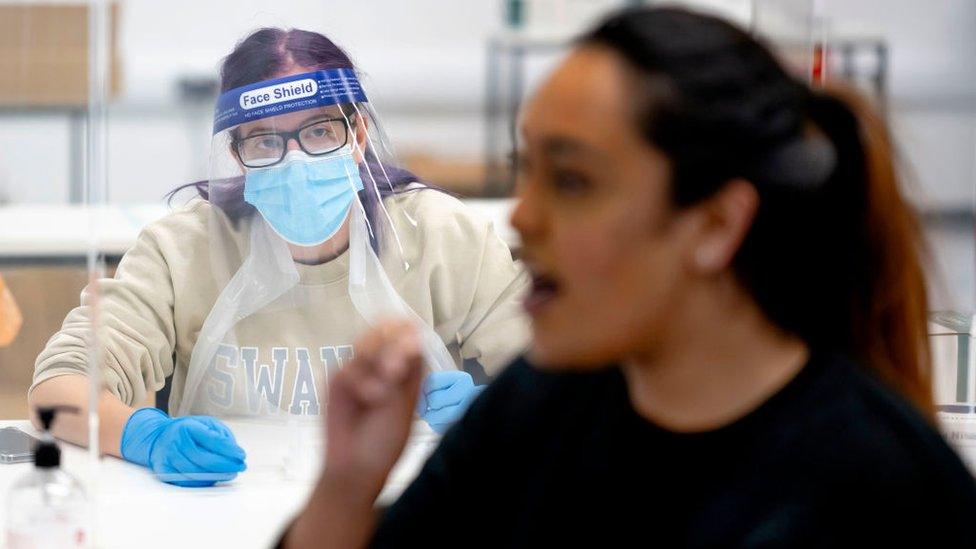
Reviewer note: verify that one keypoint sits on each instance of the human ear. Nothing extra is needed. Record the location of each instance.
(360, 127)
(726, 218)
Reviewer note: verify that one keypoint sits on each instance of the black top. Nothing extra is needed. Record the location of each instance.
(562, 459)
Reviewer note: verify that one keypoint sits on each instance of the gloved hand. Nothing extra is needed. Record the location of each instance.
(444, 397)
(186, 451)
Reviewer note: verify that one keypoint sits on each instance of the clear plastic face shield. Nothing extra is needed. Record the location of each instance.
(303, 249)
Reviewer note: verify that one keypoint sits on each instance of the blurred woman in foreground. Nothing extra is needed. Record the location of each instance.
(729, 322)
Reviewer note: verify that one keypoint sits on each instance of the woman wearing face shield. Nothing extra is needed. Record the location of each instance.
(251, 296)
(729, 328)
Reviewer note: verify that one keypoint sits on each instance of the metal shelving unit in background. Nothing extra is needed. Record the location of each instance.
(505, 86)
(861, 61)
(873, 81)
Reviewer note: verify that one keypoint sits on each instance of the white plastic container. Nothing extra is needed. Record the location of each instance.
(46, 509)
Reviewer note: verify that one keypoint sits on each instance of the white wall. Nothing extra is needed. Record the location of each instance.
(932, 86)
(933, 114)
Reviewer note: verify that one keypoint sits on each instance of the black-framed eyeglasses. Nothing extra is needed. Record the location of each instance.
(317, 138)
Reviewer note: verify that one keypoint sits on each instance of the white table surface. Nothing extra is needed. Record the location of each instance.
(136, 510)
(57, 231)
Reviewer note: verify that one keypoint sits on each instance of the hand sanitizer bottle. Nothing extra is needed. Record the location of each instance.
(47, 508)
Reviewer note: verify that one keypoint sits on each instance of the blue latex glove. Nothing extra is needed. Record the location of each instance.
(445, 396)
(186, 451)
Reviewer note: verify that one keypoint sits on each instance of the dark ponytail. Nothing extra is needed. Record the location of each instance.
(889, 318)
(833, 254)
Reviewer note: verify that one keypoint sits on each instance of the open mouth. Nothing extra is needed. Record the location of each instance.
(544, 290)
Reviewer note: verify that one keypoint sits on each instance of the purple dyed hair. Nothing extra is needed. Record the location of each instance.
(264, 54)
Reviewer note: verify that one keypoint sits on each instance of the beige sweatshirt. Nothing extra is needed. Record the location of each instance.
(462, 282)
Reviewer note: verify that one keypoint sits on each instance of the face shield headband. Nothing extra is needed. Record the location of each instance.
(285, 95)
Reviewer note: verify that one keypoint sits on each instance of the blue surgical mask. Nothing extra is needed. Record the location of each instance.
(305, 198)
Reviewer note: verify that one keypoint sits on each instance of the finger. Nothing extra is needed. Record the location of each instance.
(406, 370)
(368, 343)
(403, 347)
(444, 398)
(214, 424)
(458, 410)
(450, 394)
(179, 468)
(375, 391)
(443, 416)
(367, 346)
(209, 421)
(391, 327)
(176, 466)
(437, 381)
(343, 405)
(346, 392)
(184, 480)
(358, 373)
(212, 440)
(355, 377)
(384, 363)
(206, 462)
(381, 335)
(411, 384)
(202, 458)
(189, 483)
